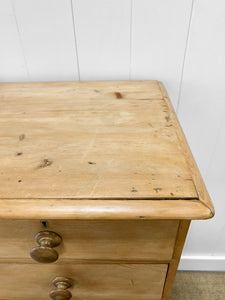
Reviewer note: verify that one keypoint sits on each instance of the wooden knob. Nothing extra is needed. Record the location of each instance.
(47, 241)
(61, 292)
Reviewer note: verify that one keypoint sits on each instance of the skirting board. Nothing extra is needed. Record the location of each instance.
(202, 263)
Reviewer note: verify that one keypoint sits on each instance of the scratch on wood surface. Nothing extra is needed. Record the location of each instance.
(89, 146)
(126, 266)
(99, 175)
(95, 177)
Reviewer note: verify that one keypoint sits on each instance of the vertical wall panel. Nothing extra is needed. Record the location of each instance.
(215, 179)
(201, 112)
(12, 65)
(46, 29)
(202, 95)
(103, 38)
(160, 29)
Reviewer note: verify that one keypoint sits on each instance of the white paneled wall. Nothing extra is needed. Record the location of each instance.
(12, 64)
(103, 38)
(159, 36)
(46, 33)
(202, 113)
(180, 42)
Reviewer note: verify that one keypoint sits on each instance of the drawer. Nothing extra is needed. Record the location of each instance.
(90, 281)
(92, 240)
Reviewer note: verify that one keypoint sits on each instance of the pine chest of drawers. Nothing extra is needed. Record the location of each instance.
(98, 188)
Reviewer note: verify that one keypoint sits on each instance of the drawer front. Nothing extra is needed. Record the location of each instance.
(90, 281)
(92, 240)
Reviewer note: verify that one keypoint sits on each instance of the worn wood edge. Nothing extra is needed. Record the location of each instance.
(173, 265)
(100, 198)
(103, 209)
(15, 260)
(19, 298)
(201, 190)
(69, 84)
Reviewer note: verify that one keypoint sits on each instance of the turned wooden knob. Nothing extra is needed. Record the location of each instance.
(47, 241)
(61, 292)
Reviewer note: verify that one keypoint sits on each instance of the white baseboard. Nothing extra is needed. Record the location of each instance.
(202, 263)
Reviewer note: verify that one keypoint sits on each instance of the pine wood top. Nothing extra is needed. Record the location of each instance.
(92, 141)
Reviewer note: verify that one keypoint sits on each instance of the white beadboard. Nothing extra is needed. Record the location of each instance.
(201, 112)
(47, 34)
(159, 36)
(103, 38)
(12, 65)
(202, 95)
(215, 179)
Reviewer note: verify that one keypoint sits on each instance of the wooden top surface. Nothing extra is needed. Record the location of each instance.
(91, 140)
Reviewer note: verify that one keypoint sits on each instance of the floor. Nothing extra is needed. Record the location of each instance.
(199, 286)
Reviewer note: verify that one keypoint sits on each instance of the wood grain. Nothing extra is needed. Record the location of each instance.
(91, 240)
(69, 143)
(103, 210)
(91, 282)
(203, 194)
(79, 140)
(172, 269)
